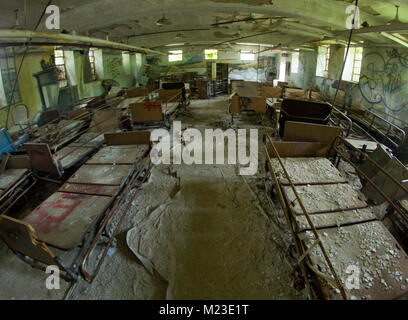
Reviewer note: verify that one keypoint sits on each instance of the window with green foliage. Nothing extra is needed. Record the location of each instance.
(211, 54)
(8, 75)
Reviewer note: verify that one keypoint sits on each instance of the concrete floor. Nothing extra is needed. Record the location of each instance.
(192, 232)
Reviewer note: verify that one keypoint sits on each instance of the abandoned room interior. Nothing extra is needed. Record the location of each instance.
(196, 150)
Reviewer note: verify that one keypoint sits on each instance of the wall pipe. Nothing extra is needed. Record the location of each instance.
(9, 35)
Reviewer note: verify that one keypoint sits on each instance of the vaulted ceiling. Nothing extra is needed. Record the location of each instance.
(289, 23)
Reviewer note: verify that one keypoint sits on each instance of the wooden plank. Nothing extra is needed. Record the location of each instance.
(19, 162)
(309, 132)
(137, 92)
(382, 263)
(63, 219)
(80, 114)
(92, 189)
(299, 149)
(10, 177)
(128, 138)
(309, 170)
(118, 155)
(41, 158)
(166, 95)
(291, 93)
(101, 174)
(146, 111)
(70, 155)
(241, 103)
(323, 198)
(246, 88)
(271, 92)
(106, 120)
(19, 236)
(124, 104)
(89, 139)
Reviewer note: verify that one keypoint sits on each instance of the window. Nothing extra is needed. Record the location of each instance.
(8, 76)
(175, 55)
(352, 69)
(211, 54)
(323, 58)
(295, 63)
(91, 55)
(247, 55)
(60, 65)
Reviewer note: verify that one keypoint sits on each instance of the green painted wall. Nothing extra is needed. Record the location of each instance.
(109, 65)
(28, 85)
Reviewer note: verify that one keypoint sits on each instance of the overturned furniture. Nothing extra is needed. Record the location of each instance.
(323, 113)
(303, 111)
(77, 215)
(335, 232)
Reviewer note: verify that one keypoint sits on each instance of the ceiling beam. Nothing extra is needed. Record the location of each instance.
(387, 28)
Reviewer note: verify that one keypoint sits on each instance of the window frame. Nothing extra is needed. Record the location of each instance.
(6, 74)
(175, 53)
(62, 81)
(208, 52)
(247, 53)
(357, 58)
(360, 60)
(295, 62)
(91, 57)
(326, 61)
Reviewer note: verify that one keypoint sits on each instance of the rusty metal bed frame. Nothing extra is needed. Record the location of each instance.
(336, 151)
(372, 118)
(21, 237)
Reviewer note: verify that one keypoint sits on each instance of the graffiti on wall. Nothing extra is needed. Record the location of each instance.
(263, 70)
(381, 88)
(114, 66)
(381, 81)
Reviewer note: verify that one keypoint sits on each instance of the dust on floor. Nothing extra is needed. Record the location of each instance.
(191, 232)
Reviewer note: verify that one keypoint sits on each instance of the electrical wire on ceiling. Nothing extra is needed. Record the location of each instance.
(345, 57)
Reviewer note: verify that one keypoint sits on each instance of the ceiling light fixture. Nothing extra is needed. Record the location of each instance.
(393, 38)
(163, 21)
(396, 20)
